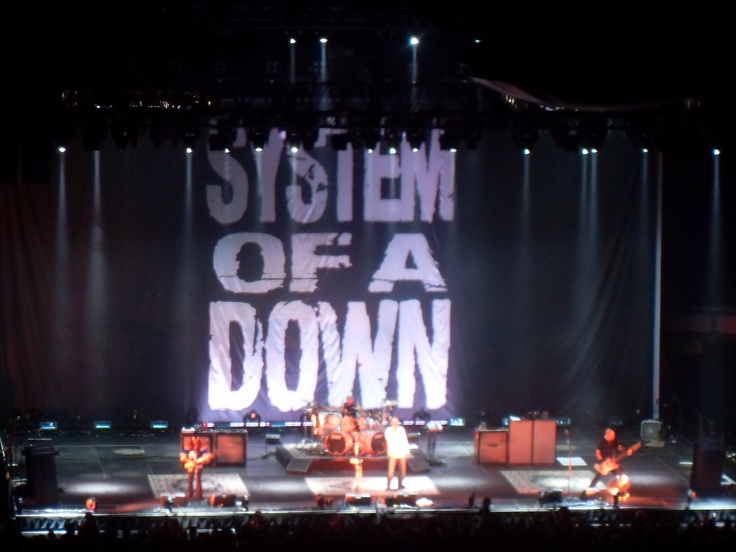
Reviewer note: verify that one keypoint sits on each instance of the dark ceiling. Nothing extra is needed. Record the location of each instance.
(232, 56)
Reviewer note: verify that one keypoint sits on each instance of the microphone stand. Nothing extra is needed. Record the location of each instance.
(569, 463)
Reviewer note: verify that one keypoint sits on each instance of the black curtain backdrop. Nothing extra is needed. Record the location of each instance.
(549, 263)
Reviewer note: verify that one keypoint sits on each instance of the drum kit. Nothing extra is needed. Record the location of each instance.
(338, 434)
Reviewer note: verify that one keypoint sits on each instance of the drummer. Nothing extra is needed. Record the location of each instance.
(350, 414)
(349, 409)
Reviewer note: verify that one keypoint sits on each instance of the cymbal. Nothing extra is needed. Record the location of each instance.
(391, 403)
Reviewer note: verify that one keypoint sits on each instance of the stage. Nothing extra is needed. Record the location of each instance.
(135, 477)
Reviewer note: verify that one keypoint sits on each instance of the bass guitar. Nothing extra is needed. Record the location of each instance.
(611, 464)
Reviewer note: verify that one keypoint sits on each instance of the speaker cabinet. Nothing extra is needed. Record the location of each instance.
(230, 449)
(186, 439)
(650, 430)
(532, 441)
(520, 441)
(43, 484)
(544, 442)
(491, 446)
(709, 459)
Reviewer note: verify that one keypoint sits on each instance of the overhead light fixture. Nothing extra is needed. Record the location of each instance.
(594, 130)
(415, 137)
(94, 132)
(450, 140)
(525, 138)
(364, 137)
(222, 139)
(566, 135)
(392, 138)
(189, 129)
(258, 137)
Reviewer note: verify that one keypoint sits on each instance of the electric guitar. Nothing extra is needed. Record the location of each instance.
(193, 463)
(610, 464)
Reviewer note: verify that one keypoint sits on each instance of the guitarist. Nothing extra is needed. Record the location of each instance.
(607, 450)
(195, 455)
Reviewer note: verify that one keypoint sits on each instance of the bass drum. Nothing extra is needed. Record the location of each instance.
(338, 443)
(329, 422)
(374, 442)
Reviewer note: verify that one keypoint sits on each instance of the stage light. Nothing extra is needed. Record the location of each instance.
(94, 132)
(303, 137)
(189, 137)
(392, 137)
(63, 130)
(102, 424)
(593, 132)
(566, 135)
(48, 426)
(450, 140)
(252, 418)
(258, 137)
(363, 137)
(415, 137)
(222, 139)
(159, 424)
(525, 138)
(188, 131)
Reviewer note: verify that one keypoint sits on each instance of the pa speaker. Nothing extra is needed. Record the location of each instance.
(709, 459)
(43, 485)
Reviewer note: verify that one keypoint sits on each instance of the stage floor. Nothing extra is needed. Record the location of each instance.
(135, 474)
